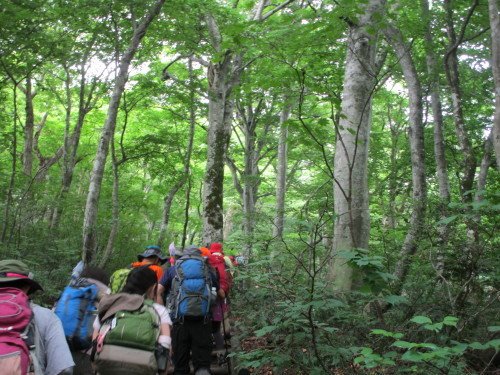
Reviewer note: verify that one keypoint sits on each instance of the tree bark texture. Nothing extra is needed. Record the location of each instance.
(416, 135)
(279, 217)
(352, 223)
(495, 63)
(90, 218)
(29, 129)
(453, 78)
(223, 76)
(439, 146)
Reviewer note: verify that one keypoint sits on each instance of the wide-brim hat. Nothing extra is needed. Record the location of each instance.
(152, 251)
(11, 270)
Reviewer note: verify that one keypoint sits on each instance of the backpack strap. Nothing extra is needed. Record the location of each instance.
(31, 337)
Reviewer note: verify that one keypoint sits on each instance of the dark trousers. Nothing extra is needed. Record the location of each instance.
(191, 340)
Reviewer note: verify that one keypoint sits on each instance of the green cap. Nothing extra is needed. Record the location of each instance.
(11, 270)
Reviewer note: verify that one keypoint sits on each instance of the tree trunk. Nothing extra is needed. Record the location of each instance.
(279, 217)
(116, 209)
(439, 148)
(29, 128)
(13, 172)
(495, 62)
(223, 76)
(71, 142)
(352, 223)
(453, 78)
(416, 135)
(90, 218)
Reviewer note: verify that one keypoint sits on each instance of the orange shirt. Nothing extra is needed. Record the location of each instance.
(158, 270)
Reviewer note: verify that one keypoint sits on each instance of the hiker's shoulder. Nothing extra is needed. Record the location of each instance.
(47, 321)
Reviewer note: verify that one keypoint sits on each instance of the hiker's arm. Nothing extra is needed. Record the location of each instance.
(159, 294)
(221, 293)
(165, 331)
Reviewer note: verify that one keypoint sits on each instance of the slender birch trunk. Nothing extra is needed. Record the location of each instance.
(416, 135)
(439, 148)
(495, 63)
(90, 218)
(352, 223)
(29, 128)
(13, 171)
(453, 78)
(281, 174)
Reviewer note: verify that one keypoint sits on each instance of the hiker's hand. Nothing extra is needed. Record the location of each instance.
(221, 293)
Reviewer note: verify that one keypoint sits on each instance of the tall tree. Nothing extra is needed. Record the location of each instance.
(223, 76)
(416, 135)
(352, 222)
(439, 145)
(453, 77)
(495, 64)
(90, 218)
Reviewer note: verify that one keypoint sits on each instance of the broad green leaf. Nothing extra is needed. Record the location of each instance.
(421, 320)
(412, 356)
(446, 220)
(402, 344)
(450, 321)
(264, 331)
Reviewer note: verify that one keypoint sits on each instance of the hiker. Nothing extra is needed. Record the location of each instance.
(85, 289)
(45, 348)
(220, 326)
(190, 312)
(152, 257)
(132, 333)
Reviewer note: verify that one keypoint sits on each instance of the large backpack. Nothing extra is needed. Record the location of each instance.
(190, 294)
(76, 309)
(218, 263)
(19, 334)
(126, 342)
(118, 279)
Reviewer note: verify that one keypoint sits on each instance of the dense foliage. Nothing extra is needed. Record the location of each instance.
(58, 65)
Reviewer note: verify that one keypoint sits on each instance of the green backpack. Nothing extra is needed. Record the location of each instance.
(129, 343)
(135, 329)
(118, 279)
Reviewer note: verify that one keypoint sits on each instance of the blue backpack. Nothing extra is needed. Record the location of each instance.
(191, 288)
(76, 310)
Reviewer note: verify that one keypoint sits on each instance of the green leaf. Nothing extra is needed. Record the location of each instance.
(385, 333)
(446, 220)
(493, 328)
(402, 344)
(264, 331)
(478, 346)
(412, 356)
(421, 320)
(436, 327)
(450, 321)
(495, 344)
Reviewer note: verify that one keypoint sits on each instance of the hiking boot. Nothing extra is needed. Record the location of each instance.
(203, 371)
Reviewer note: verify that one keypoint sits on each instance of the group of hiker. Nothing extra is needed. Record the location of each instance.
(146, 315)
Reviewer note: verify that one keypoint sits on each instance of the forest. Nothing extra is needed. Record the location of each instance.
(348, 149)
